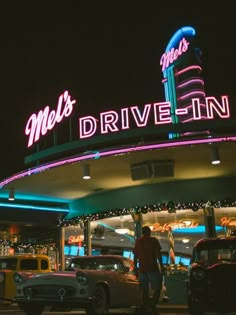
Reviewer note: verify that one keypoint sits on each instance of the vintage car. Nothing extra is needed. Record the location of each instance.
(93, 283)
(211, 284)
(22, 262)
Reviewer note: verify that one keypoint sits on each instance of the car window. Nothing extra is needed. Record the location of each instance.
(28, 264)
(8, 263)
(217, 254)
(44, 264)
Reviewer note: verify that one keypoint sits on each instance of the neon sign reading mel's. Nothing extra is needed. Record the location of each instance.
(114, 121)
(172, 55)
(38, 125)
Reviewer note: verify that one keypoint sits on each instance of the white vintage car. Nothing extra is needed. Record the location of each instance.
(94, 283)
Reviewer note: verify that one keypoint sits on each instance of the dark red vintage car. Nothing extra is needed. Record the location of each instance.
(211, 285)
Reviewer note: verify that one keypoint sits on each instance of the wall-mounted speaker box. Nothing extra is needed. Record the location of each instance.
(149, 169)
(162, 168)
(141, 171)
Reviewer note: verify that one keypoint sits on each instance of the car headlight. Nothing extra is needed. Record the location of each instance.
(81, 277)
(18, 279)
(198, 274)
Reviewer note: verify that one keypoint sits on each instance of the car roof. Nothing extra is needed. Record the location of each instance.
(24, 256)
(99, 257)
(230, 239)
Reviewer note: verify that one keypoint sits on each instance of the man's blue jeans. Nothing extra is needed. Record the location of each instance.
(151, 279)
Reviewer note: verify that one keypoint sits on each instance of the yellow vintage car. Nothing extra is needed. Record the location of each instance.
(32, 263)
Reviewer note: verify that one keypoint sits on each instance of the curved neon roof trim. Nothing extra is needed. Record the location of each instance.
(90, 156)
(31, 207)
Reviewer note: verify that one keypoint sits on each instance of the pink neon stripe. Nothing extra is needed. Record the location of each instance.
(114, 152)
(201, 132)
(187, 69)
(191, 119)
(190, 82)
(187, 95)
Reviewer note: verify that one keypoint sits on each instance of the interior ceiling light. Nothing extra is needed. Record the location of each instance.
(11, 196)
(86, 171)
(122, 231)
(215, 157)
(185, 240)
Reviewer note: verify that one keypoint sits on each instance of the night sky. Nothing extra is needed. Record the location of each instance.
(105, 53)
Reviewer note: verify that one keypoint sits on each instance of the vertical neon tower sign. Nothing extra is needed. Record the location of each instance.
(181, 68)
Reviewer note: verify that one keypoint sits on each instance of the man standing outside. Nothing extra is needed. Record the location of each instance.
(147, 253)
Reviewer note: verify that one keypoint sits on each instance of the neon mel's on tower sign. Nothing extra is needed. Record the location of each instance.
(185, 99)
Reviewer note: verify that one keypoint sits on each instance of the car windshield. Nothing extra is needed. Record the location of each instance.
(8, 263)
(96, 264)
(216, 252)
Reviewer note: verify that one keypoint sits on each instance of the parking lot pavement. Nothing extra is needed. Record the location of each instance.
(175, 308)
(18, 312)
(14, 309)
(164, 308)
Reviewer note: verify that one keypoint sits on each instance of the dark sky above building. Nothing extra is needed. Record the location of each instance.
(105, 53)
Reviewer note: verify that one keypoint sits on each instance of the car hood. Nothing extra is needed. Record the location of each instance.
(48, 278)
(210, 265)
(220, 269)
(66, 276)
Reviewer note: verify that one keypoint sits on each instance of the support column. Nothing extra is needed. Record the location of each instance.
(61, 244)
(171, 246)
(209, 220)
(138, 222)
(87, 238)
